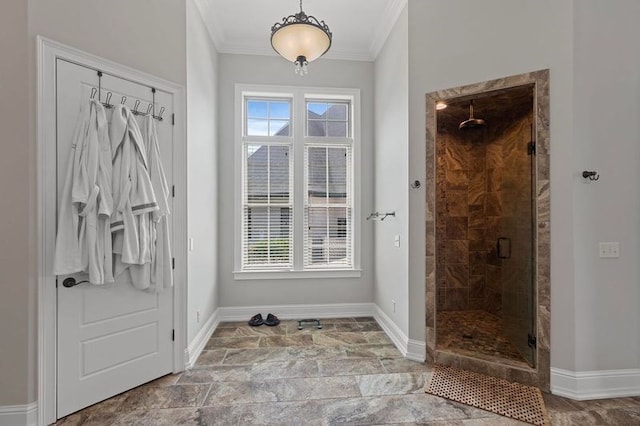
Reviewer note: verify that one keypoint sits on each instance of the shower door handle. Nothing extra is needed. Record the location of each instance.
(503, 248)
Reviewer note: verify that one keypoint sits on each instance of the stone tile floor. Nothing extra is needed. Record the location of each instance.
(347, 373)
(476, 334)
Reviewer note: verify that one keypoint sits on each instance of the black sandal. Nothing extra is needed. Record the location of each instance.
(256, 320)
(272, 320)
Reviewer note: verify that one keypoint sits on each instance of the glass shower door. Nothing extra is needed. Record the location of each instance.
(515, 247)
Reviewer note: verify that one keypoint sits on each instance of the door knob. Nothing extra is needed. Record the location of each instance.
(71, 282)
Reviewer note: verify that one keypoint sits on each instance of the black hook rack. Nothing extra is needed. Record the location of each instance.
(416, 184)
(591, 175)
(151, 108)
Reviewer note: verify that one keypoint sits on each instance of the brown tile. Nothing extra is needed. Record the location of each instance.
(285, 341)
(165, 397)
(457, 204)
(232, 342)
(211, 357)
(457, 179)
(457, 276)
(457, 251)
(457, 228)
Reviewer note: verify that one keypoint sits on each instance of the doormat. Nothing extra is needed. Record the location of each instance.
(499, 396)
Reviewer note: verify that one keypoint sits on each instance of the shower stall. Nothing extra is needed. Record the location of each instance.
(485, 224)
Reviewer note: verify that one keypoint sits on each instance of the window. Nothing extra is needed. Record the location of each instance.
(297, 170)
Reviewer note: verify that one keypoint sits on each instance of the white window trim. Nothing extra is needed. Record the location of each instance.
(299, 94)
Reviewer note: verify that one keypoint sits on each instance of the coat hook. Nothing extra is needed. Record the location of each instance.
(136, 105)
(149, 108)
(93, 92)
(123, 100)
(591, 175)
(108, 100)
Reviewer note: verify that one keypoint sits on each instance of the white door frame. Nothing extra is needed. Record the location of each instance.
(48, 52)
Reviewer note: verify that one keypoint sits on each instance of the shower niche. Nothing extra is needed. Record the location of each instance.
(488, 228)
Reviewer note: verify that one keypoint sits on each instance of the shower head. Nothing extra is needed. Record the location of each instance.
(471, 123)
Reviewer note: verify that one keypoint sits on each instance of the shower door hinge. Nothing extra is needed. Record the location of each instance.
(531, 148)
(173, 119)
(173, 263)
(173, 191)
(173, 335)
(531, 341)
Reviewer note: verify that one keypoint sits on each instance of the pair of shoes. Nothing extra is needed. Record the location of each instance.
(257, 320)
(272, 320)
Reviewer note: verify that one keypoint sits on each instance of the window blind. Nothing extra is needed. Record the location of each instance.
(267, 233)
(328, 207)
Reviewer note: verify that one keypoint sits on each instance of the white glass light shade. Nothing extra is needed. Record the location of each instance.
(294, 40)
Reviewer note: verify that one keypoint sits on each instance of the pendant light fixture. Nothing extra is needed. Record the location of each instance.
(300, 39)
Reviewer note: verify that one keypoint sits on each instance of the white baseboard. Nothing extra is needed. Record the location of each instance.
(414, 350)
(14, 415)
(198, 343)
(336, 310)
(584, 385)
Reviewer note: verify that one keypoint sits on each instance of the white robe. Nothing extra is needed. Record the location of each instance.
(83, 241)
(133, 194)
(157, 274)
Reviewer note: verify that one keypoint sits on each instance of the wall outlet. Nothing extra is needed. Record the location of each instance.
(393, 302)
(396, 240)
(198, 317)
(609, 250)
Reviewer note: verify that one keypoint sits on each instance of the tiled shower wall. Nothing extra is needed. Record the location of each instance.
(482, 192)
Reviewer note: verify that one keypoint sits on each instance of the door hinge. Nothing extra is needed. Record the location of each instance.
(173, 119)
(531, 148)
(173, 335)
(532, 341)
(173, 191)
(173, 263)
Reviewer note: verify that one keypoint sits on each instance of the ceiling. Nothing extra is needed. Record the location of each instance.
(359, 27)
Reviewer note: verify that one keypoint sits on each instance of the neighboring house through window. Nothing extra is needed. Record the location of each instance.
(298, 165)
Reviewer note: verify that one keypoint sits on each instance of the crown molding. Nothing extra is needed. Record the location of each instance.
(386, 23)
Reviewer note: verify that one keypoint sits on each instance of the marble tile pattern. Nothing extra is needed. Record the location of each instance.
(476, 333)
(315, 385)
(483, 189)
(438, 294)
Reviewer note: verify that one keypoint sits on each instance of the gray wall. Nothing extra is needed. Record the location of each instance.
(273, 70)
(17, 186)
(606, 101)
(147, 35)
(202, 134)
(391, 148)
(450, 47)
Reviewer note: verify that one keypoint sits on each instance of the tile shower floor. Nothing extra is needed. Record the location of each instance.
(347, 373)
(475, 333)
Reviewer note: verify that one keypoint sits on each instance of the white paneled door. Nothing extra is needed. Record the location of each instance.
(111, 337)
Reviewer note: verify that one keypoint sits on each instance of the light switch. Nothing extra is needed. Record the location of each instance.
(609, 250)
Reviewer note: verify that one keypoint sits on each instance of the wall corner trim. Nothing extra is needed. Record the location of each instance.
(585, 385)
(197, 345)
(19, 414)
(413, 350)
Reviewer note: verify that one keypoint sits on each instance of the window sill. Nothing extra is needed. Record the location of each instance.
(283, 275)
